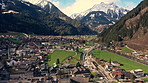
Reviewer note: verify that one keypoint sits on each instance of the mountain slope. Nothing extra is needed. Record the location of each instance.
(101, 16)
(20, 16)
(133, 26)
(110, 9)
(53, 10)
(97, 18)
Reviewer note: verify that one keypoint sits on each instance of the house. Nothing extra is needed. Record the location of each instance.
(118, 69)
(79, 80)
(118, 74)
(79, 71)
(13, 63)
(101, 60)
(138, 73)
(115, 63)
(127, 75)
(108, 67)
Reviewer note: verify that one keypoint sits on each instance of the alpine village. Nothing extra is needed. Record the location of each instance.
(104, 44)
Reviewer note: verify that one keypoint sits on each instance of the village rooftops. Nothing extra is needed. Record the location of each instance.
(117, 73)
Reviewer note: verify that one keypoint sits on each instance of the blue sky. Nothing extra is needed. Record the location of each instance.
(65, 3)
(76, 6)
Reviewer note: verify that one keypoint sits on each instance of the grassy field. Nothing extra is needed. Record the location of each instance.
(127, 63)
(74, 60)
(88, 37)
(125, 50)
(59, 54)
(81, 50)
(145, 79)
(15, 41)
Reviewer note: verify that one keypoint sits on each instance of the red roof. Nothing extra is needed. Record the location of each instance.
(139, 82)
(117, 73)
(116, 68)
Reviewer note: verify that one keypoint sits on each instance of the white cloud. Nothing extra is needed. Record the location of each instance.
(82, 5)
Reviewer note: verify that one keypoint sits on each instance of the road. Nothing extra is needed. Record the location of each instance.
(93, 65)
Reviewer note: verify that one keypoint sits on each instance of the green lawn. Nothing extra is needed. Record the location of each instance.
(81, 50)
(70, 37)
(75, 60)
(59, 54)
(15, 40)
(127, 63)
(63, 45)
(125, 50)
(145, 79)
(89, 37)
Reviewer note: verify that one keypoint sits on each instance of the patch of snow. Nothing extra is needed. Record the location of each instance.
(125, 12)
(41, 3)
(113, 22)
(3, 6)
(100, 14)
(27, 4)
(92, 16)
(107, 18)
(111, 8)
(10, 11)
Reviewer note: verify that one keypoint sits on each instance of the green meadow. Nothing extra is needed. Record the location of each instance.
(127, 63)
(59, 54)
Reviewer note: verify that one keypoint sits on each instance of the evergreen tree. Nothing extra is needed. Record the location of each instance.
(58, 61)
(110, 61)
(78, 64)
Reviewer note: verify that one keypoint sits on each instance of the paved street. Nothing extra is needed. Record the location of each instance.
(90, 61)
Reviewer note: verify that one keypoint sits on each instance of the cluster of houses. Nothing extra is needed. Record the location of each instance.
(139, 56)
(118, 73)
(26, 62)
(21, 63)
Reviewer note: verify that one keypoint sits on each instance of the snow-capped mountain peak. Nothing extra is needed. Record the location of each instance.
(41, 3)
(111, 9)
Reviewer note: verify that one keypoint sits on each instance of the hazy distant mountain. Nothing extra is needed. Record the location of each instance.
(45, 18)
